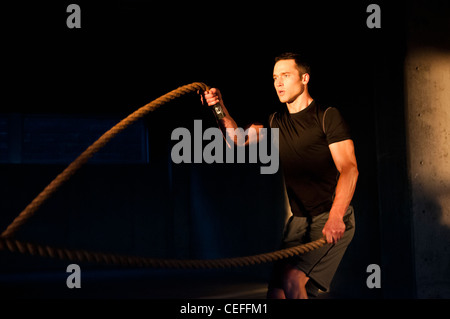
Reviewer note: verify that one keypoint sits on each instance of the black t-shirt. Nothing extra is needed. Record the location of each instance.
(309, 171)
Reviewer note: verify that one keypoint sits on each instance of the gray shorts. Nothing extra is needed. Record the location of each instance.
(321, 264)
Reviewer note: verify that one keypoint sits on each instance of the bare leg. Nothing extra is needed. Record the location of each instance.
(295, 283)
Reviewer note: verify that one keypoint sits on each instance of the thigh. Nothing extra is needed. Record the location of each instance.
(321, 264)
(295, 232)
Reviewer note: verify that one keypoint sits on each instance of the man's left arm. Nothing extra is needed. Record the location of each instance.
(343, 154)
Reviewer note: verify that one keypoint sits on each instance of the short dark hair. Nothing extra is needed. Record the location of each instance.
(302, 65)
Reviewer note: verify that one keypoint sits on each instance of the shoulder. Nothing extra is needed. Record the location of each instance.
(331, 114)
(320, 112)
(321, 109)
(326, 112)
(274, 118)
(334, 125)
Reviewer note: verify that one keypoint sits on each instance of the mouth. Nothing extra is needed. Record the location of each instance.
(281, 92)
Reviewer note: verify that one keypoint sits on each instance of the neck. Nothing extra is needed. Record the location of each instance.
(300, 103)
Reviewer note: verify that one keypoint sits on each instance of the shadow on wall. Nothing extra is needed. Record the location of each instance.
(427, 74)
(432, 235)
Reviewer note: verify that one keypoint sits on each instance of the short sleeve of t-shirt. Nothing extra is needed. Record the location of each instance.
(335, 127)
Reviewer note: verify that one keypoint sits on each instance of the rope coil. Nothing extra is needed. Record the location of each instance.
(8, 243)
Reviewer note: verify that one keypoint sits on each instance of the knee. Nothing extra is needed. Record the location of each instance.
(294, 278)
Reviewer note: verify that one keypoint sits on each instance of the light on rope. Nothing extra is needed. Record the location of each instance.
(13, 245)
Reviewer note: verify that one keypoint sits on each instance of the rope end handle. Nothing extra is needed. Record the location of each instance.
(216, 108)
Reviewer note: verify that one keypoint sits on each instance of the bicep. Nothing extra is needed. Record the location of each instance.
(343, 154)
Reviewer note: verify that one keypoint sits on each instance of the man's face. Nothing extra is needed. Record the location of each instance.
(288, 81)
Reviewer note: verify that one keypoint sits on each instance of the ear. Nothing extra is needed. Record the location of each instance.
(305, 78)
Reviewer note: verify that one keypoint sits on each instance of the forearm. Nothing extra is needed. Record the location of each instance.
(227, 121)
(345, 190)
(344, 158)
(227, 125)
(233, 134)
(230, 130)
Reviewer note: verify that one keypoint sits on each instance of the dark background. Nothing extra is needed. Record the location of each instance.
(128, 53)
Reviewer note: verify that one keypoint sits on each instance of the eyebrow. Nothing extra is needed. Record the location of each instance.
(282, 73)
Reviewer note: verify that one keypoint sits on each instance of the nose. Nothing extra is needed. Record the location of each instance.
(278, 82)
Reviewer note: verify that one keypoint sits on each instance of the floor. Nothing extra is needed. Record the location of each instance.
(134, 284)
(137, 284)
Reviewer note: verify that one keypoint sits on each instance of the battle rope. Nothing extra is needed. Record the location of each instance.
(6, 242)
(111, 259)
(94, 148)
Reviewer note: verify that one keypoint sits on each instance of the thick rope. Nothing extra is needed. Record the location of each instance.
(134, 261)
(7, 243)
(91, 150)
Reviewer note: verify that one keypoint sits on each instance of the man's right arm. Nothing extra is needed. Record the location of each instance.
(227, 123)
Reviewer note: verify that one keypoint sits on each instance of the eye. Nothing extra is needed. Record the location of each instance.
(285, 76)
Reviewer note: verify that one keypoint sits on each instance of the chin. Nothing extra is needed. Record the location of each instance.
(283, 99)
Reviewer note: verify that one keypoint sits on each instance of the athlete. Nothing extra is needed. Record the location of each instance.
(320, 172)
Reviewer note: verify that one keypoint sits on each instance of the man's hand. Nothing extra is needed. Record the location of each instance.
(212, 97)
(334, 229)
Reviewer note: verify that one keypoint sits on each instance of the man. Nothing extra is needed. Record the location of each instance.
(320, 171)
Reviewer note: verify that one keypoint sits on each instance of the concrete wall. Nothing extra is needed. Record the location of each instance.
(427, 80)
